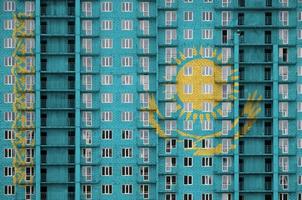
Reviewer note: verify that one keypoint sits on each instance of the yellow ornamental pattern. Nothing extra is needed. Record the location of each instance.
(196, 75)
(23, 143)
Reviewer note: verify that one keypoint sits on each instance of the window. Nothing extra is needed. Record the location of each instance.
(170, 54)
(106, 153)
(87, 118)
(126, 6)
(283, 126)
(188, 16)
(127, 79)
(144, 100)
(106, 61)
(127, 134)
(283, 17)
(188, 161)
(144, 172)
(144, 45)
(206, 180)
(9, 190)
(127, 189)
(106, 43)
(127, 43)
(188, 180)
(284, 181)
(226, 181)
(188, 144)
(207, 34)
(107, 189)
(9, 98)
(87, 136)
(206, 143)
(188, 89)
(87, 63)
(170, 17)
(87, 9)
(207, 106)
(144, 82)
(127, 116)
(144, 118)
(300, 16)
(207, 89)
(106, 134)
(9, 171)
(9, 153)
(188, 125)
(87, 173)
(87, 27)
(9, 43)
(87, 100)
(188, 34)
(188, 107)
(170, 35)
(126, 152)
(144, 8)
(144, 136)
(144, 154)
(207, 71)
(9, 61)
(9, 6)
(208, 52)
(106, 79)
(106, 25)
(106, 171)
(106, 116)
(87, 82)
(9, 24)
(206, 196)
(283, 36)
(188, 52)
(87, 154)
(127, 98)
(127, 61)
(206, 161)
(127, 25)
(284, 163)
(225, 18)
(207, 16)
(106, 97)
(9, 116)
(226, 163)
(106, 6)
(9, 134)
(144, 26)
(144, 63)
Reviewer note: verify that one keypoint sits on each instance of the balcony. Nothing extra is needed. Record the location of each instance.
(71, 177)
(268, 112)
(268, 130)
(268, 149)
(71, 158)
(268, 167)
(267, 94)
(43, 195)
(43, 158)
(71, 121)
(71, 195)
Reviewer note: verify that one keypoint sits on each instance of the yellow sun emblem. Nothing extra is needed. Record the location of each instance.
(201, 83)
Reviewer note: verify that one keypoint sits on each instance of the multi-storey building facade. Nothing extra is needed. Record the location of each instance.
(151, 99)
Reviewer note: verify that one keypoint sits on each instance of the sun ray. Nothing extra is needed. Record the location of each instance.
(194, 117)
(188, 115)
